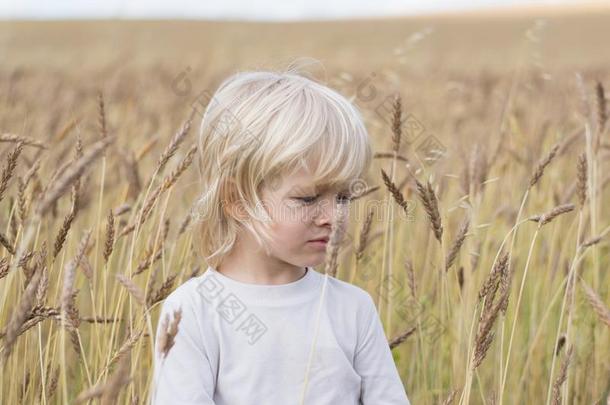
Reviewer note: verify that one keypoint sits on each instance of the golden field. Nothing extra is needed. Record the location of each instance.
(489, 260)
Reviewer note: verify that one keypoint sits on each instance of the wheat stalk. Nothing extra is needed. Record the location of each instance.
(72, 173)
(457, 244)
(552, 214)
(542, 164)
(9, 168)
(108, 246)
(175, 142)
(169, 330)
(398, 197)
(364, 233)
(22, 139)
(334, 243)
(561, 378)
(428, 199)
(581, 183)
(20, 314)
(603, 313)
(394, 342)
(133, 289)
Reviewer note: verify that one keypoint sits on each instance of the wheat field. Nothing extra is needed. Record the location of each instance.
(481, 230)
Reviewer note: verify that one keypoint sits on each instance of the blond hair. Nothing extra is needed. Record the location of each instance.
(258, 126)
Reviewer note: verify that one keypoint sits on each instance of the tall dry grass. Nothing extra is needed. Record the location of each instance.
(488, 258)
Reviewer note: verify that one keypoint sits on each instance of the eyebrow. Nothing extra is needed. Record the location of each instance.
(321, 188)
(337, 186)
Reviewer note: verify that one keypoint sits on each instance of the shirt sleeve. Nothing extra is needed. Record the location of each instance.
(373, 361)
(185, 376)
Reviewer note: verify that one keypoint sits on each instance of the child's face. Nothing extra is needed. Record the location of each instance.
(299, 214)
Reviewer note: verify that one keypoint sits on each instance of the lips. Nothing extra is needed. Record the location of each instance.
(325, 239)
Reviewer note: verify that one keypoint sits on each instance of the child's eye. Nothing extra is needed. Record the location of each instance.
(343, 199)
(307, 200)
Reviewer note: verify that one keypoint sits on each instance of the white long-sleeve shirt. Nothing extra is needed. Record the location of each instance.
(249, 344)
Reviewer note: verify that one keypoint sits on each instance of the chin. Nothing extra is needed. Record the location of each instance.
(317, 262)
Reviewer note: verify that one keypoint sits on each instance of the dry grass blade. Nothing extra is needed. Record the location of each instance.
(581, 182)
(390, 155)
(173, 145)
(335, 241)
(109, 391)
(99, 319)
(602, 109)
(21, 313)
(9, 168)
(4, 266)
(69, 310)
(570, 140)
(126, 347)
(591, 242)
(7, 244)
(67, 224)
(162, 292)
(101, 115)
(411, 277)
(498, 278)
(52, 385)
(169, 330)
(153, 252)
(133, 289)
(603, 313)
(396, 123)
(23, 139)
(451, 397)
(61, 135)
(457, 244)
(478, 168)
(150, 258)
(430, 203)
(168, 181)
(22, 200)
(542, 164)
(552, 214)
(490, 285)
(185, 223)
(563, 372)
(132, 173)
(43, 286)
(122, 209)
(364, 233)
(37, 314)
(87, 268)
(398, 197)
(72, 173)
(394, 342)
(109, 236)
(146, 148)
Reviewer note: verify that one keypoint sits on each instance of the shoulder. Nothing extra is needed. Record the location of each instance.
(184, 293)
(189, 295)
(352, 307)
(354, 297)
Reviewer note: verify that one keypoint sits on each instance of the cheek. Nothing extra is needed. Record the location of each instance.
(290, 216)
(290, 232)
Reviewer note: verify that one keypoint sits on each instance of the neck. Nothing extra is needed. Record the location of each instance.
(257, 269)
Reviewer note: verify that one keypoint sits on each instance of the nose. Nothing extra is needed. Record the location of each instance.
(327, 211)
(323, 215)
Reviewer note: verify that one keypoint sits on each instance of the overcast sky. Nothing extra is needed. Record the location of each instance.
(243, 9)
